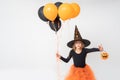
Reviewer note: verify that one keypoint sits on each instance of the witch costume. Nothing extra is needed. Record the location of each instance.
(79, 70)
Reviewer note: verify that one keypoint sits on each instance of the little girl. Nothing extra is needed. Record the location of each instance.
(79, 70)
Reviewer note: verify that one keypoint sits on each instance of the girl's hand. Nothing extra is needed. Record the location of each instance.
(100, 48)
(57, 55)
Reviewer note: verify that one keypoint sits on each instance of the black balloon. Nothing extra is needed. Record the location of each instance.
(56, 25)
(58, 4)
(41, 15)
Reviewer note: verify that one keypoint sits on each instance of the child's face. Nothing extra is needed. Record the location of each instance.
(78, 44)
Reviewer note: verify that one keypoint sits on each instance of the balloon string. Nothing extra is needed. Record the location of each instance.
(58, 61)
(57, 48)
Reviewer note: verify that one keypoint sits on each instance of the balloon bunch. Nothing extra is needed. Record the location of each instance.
(55, 12)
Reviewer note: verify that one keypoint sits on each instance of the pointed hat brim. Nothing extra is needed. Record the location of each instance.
(85, 41)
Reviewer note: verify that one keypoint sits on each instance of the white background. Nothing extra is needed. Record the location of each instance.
(28, 45)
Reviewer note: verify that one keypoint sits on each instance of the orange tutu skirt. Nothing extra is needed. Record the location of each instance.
(77, 73)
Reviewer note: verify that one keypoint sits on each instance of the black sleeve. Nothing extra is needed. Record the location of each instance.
(68, 58)
(88, 50)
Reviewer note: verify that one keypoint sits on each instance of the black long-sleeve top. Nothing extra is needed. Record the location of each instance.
(79, 59)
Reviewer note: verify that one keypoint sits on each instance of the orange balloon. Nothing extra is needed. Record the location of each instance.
(76, 8)
(65, 11)
(50, 11)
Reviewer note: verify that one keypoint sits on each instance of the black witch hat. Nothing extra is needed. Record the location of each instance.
(77, 37)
